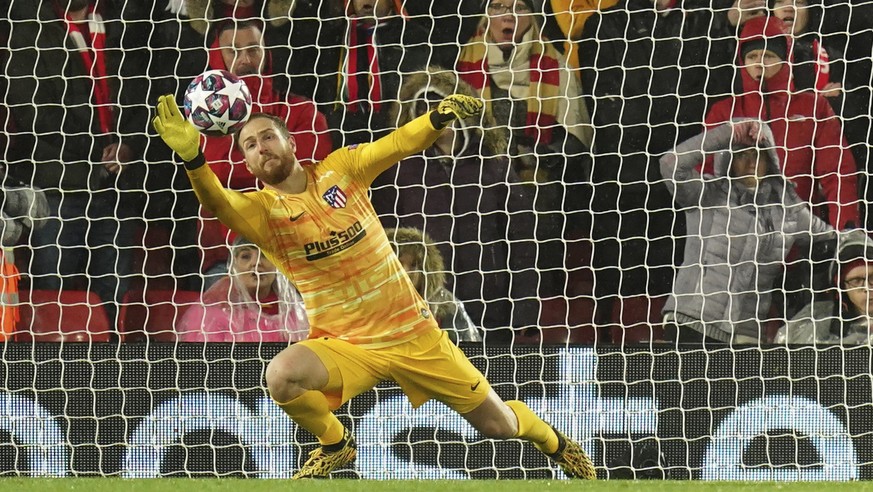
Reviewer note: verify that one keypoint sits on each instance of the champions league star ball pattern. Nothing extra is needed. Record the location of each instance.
(217, 103)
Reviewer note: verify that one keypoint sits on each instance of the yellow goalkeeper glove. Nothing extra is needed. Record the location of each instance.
(175, 130)
(457, 106)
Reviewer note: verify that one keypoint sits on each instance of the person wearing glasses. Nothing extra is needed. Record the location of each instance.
(844, 315)
(526, 84)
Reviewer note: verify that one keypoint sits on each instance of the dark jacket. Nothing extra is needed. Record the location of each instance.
(403, 48)
(481, 220)
(647, 78)
(58, 141)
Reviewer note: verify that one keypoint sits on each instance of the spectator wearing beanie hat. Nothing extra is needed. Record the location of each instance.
(845, 314)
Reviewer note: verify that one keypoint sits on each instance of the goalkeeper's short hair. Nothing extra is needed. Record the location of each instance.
(279, 123)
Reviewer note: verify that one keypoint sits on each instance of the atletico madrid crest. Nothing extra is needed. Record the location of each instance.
(335, 197)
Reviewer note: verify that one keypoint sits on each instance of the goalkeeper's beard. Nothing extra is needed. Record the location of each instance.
(277, 173)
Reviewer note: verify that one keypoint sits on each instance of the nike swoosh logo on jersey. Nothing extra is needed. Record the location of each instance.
(295, 217)
(474, 386)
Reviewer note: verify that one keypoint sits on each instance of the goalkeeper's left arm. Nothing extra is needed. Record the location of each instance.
(415, 136)
(454, 107)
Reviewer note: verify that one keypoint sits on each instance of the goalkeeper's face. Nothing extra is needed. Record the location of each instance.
(269, 151)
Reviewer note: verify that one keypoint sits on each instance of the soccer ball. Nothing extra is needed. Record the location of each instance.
(218, 103)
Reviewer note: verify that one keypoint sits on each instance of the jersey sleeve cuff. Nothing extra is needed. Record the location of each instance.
(439, 121)
(196, 162)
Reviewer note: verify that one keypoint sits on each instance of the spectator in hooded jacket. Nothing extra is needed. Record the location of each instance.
(424, 264)
(820, 65)
(742, 222)
(238, 48)
(808, 135)
(463, 193)
(815, 156)
(252, 303)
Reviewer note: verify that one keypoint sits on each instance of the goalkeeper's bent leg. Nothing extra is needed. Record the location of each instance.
(291, 377)
(532, 428)
(310, 410)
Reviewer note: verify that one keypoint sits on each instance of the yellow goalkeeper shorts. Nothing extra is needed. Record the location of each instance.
(427, 367)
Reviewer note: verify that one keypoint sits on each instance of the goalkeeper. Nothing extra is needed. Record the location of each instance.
(367, 322)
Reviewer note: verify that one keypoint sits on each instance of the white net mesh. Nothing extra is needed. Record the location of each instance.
(644, 171)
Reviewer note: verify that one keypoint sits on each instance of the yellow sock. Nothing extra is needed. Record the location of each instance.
(310, 411)
(532, 428)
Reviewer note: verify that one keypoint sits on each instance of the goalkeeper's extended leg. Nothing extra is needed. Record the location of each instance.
(497, 419)
(567, 453)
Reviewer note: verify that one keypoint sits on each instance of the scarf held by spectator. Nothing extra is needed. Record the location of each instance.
(90, 40)
(543, 74)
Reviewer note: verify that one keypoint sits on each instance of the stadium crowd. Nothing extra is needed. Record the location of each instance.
(644, 171)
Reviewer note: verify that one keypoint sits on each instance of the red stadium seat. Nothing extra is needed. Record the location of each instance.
(62, 316)
(567, 320)
(153, 314)
(152, 258)
(639, 319)
(563, 321)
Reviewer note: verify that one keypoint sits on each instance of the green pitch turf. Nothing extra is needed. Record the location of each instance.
(253, 485)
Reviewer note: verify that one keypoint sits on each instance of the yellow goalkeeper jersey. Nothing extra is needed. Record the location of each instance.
(330, 243)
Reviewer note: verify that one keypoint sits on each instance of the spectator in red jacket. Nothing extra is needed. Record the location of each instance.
(809, 138)
(238, 47)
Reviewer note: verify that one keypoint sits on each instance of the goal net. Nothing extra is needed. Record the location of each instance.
(655, 234)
